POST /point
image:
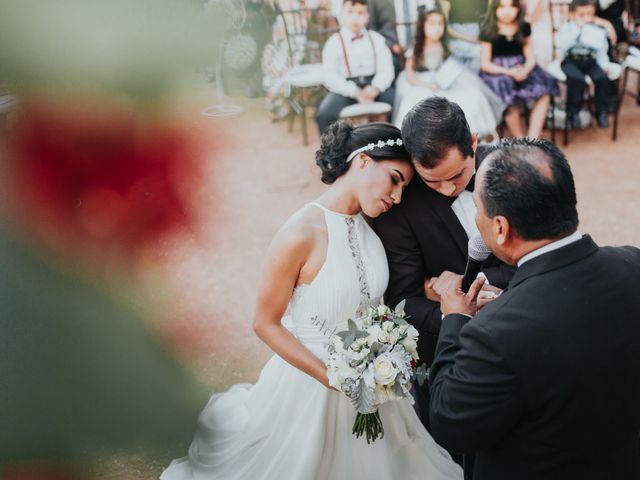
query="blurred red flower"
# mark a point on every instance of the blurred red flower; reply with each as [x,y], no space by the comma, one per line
[99,178]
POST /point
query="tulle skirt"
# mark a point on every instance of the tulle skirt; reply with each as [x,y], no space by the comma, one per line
[289,426]
[538,84]
[482,108]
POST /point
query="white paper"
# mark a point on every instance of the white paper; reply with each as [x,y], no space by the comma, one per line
[448,72]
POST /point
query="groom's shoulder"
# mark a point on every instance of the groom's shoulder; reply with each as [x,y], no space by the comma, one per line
[417,192]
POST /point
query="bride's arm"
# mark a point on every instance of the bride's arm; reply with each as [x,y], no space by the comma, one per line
[285,258]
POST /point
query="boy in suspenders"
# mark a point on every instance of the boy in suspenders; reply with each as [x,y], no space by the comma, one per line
[358,65]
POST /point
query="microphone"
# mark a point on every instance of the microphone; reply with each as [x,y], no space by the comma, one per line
[478,253]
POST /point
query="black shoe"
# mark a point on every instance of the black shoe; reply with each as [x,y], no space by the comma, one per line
[602,119]
[574,121]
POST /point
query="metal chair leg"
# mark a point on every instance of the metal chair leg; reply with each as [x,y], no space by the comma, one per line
[565,140]
[552,105]
[303,126]
[622,86]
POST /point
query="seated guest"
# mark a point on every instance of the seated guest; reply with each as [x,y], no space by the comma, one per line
[382,19]
[539,17]
[614,12]
[581,58]
[464,30]
[509,66]
[426,77]
[358,65]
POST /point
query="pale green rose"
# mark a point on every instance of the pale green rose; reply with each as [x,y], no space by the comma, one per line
[387,326]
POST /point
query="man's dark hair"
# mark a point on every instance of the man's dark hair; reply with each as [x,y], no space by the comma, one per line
[529,182]
[432,128]
[582,3]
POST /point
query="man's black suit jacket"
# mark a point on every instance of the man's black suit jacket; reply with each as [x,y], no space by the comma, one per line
[422,238]
[544,383]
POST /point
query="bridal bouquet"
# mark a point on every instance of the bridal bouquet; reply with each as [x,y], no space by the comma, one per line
[374,362]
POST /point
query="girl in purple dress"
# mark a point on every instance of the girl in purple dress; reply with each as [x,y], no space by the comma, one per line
[508,66]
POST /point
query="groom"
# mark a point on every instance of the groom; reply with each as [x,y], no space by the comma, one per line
[427,233]
[544,382]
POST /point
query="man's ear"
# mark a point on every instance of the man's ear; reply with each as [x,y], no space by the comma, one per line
[501,230]
[474,141]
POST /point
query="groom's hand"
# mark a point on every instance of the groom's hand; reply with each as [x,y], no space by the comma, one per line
[454,300]
[439,284]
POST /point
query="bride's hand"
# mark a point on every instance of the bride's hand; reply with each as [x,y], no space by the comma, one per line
[325,381]
[429,292]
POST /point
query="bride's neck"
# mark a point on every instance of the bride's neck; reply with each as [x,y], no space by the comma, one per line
[341,198]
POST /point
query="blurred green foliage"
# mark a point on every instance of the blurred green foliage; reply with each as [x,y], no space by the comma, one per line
[135,46]
[79,373]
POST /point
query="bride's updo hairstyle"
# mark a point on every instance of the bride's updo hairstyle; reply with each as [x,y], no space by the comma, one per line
[342,139]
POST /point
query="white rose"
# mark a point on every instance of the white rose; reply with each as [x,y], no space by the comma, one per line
[358,357]
[361,342]
[345,371]
[410,344]
[374,332]
[383,336]
[412,332]
[384,372]
[383,310]
[387,326]
[394,336]
[382,395]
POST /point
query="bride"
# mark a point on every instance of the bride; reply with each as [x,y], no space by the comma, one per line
[324,266]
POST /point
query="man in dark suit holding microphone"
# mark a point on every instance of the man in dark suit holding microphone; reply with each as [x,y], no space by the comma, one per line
[544,382]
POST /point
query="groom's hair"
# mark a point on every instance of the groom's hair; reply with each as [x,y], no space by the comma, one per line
[432,128]
[529,182]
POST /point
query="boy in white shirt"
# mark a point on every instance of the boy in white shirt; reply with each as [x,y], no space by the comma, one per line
[585,53]
[358,65]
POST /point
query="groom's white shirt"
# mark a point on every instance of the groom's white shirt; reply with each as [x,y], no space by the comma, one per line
[465,210]
[549,247]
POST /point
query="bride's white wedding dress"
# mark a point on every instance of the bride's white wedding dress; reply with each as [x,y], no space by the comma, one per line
[288,425]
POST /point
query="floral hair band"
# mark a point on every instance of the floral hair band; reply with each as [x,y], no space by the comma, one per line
[371,146]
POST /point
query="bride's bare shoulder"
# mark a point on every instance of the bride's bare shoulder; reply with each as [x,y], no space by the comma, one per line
[302,230]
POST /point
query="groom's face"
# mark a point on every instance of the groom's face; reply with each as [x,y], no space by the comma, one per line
[451,176]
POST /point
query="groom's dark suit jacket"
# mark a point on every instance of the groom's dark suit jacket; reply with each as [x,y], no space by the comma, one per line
[422,238]
[544,383]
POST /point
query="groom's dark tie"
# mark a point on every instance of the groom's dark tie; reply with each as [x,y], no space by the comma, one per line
[471,184]
[468,188]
